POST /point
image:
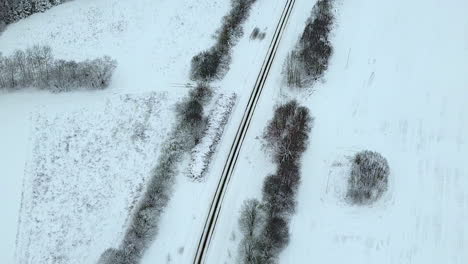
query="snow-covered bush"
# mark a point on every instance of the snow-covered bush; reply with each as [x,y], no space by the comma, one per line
[309,60]
[36,67]
[216,121]
[257,34]
[368,179]
[213,63]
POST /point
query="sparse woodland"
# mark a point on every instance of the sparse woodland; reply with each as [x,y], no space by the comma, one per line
[265,224]
[37,67]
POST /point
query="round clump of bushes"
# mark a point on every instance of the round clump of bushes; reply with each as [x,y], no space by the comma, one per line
[368,178]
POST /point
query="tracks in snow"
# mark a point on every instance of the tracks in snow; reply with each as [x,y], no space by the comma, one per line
[215,208]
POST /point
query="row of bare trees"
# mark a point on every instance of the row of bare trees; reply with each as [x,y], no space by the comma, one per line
[265,224]
[309,60]
[213,63]
[37,67]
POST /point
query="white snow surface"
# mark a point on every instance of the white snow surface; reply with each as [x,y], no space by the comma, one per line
[396,84]
[153,42]
[87,170]
[218,117]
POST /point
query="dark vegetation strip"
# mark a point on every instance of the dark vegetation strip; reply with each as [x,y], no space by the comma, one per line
[309,60]
[14,10]
[368,179]
[213,63]
[143,226]
[265,224]
[37,67]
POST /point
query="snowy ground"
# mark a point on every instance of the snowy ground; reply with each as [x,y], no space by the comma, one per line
[153,42]
[87,170]
[397,84]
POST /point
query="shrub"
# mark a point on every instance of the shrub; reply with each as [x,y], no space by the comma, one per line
[368,178]
[36,67]
[208,65]
[213,63]
[256,34]
[287,133]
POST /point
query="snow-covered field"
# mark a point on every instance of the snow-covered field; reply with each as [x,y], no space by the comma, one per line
[396,84]
[88,168]
[153,42]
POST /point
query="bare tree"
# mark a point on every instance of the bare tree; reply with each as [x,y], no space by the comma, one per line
[286,136]
[287,133]
[368,178]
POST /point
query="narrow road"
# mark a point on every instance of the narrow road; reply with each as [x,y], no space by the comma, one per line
[216,204]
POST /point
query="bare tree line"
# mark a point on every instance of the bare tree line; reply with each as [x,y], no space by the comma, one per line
[143,226]
[309,60]
[265,224]
[36,67]
[213,63]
